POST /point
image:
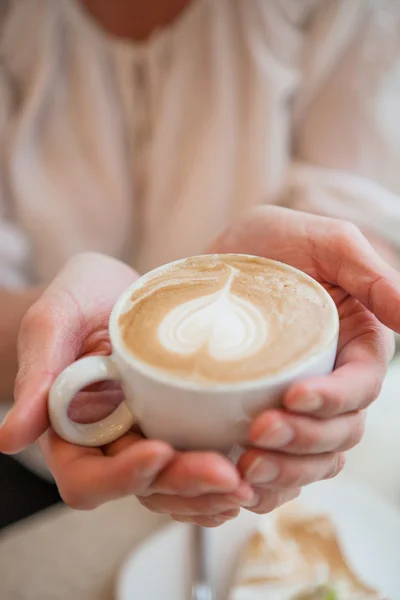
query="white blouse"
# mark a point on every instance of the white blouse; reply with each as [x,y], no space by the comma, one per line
[145,151]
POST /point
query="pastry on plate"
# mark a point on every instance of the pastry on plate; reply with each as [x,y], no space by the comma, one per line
[296,555]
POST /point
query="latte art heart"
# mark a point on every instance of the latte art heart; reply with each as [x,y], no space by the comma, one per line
[226,318]
[229,327]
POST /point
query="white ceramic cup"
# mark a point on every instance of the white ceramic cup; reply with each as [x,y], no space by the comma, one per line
[185,414]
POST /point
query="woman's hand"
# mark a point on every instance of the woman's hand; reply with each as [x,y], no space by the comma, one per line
[322,416]
[70,321]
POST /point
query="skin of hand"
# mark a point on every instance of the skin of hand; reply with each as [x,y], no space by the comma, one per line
[13,306]
[323,416]
[301,443]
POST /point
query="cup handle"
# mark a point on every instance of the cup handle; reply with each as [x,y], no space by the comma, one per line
[73,379]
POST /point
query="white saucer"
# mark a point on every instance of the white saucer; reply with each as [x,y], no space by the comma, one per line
[370,530]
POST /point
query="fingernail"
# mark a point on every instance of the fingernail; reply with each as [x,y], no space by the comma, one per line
[152,469]
[243,492]
[307,403]
[245,496]
[218,520]
[262,470]
[255,501]
[279,434]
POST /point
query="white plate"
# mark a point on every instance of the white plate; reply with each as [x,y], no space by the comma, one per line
[375,462]
[369,528]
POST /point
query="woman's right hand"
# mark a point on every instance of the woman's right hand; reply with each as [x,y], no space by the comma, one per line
[70,321]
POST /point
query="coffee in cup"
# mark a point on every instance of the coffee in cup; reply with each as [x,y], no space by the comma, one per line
[227,319]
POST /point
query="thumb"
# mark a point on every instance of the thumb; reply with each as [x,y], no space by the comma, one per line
[44,350]
[54,333]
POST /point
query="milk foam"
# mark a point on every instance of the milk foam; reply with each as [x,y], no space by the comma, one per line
[227,318]
[230,327]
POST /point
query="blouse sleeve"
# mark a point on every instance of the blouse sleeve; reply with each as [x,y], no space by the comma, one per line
[13,244]
[346,147]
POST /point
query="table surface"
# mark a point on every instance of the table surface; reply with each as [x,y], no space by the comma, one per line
[70,555]
[64,554]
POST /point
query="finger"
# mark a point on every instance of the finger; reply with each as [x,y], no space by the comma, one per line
[208,504]
[298,434]
[203,521]
[87,478]
[271,500]
[356,381]
[195,473]
[70,316]
[346,259]
[276,471]
[89,407]
[122,443]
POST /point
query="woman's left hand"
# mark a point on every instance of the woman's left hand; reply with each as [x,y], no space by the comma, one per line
[322,417]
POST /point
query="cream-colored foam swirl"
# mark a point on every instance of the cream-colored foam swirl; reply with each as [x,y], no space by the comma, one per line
[226,319]
[230,327]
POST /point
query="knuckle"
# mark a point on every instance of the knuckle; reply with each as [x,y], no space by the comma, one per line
[310,441]
[340,403]
[346,232]
[356,433]
[36,318]
[373,391]
[382,344]
[29,319]
[336,466]
[292,475]
[335,404]
[370,392]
